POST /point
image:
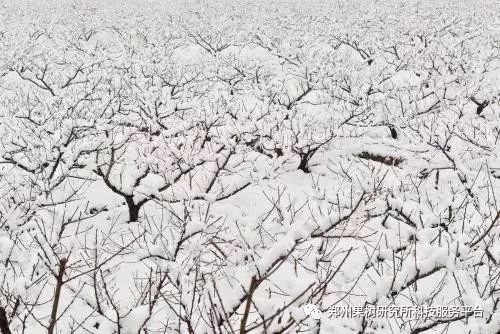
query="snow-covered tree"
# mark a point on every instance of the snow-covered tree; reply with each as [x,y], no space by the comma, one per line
[222,167]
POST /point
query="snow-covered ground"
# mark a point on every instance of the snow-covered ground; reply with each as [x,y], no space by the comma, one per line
[216,166]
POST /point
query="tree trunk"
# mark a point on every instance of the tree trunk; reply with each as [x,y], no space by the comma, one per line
[4,323]
[304,162]
[133,209]
[57,295]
